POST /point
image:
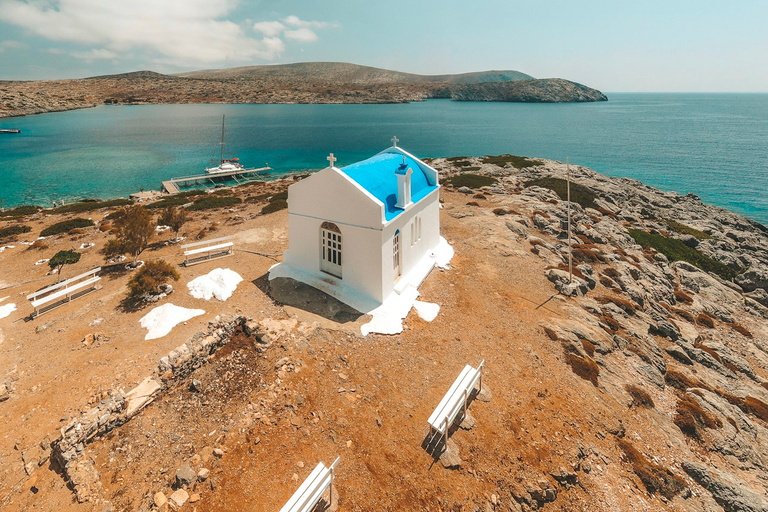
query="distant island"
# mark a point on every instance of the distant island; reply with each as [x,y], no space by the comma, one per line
[309,82]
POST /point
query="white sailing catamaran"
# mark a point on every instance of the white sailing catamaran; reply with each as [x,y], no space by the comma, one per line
[225,164]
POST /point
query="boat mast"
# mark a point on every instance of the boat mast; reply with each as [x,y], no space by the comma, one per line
[223,117]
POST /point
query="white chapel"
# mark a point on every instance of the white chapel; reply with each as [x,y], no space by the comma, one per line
[363,232]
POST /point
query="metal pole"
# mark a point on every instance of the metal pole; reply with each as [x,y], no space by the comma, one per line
[570,259]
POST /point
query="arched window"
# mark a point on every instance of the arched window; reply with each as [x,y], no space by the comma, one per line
[330,249]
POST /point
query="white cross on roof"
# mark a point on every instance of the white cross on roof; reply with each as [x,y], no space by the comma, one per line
[395,140]
[332,159]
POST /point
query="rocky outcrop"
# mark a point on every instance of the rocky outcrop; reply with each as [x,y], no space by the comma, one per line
[548,90]
[730,494]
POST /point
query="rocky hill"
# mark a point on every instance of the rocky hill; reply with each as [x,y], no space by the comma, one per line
[316,82]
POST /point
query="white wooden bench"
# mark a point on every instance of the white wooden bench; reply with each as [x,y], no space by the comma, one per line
[63,292]
[207,250]
[313,488]
[456,399]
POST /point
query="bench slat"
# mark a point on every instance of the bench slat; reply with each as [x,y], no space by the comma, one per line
[454,400]
[211,241]
[438,412]
[208,249]
[308,490]
[33,295]
[64,292]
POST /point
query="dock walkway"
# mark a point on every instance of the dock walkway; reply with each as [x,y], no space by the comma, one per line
[172,186]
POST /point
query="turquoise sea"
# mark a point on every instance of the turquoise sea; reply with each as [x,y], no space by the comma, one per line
[715,145]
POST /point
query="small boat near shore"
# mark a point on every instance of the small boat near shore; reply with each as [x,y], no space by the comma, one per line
[10,130]
[226,165]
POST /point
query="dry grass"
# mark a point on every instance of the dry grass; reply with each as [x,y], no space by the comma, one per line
[683,297]
[607,282]
[656,479]
[640,397]
[683,314]
[40,245]
[584,367]
[606,212]
[589,347]
[552,334]
[705,320]
[612,324]
[624,304]
[611,272]
[691,418]
[472,203]
[740,329]
[682,382]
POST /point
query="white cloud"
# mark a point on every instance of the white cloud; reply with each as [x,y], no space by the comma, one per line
[95,54]
[10,44]
[303,35]
[269,28]
[292,28]
[177,32]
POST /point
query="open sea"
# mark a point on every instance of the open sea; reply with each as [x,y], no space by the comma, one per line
[715,145]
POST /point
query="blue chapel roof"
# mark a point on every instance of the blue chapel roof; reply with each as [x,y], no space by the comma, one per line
[377,176]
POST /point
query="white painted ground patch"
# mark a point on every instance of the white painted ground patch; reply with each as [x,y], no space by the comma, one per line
[7,309]
[162,319]
[219,283]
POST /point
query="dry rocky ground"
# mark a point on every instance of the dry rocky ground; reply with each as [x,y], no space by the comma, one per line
[640,388]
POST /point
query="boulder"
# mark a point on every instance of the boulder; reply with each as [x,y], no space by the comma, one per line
[753,279]
[727,491]
[178,499]
[185,476]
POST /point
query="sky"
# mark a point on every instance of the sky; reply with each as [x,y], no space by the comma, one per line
[648,46]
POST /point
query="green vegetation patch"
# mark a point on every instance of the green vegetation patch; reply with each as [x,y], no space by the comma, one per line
[13,231]
[20,211]
[580,194]
[67,225]
[519,162]
[277,202]
[467,179]
[676,250]
[686,230]
[212,201]
[89,206]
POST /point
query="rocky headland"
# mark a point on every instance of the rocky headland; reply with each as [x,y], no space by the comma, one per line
[641,384]
[293,83]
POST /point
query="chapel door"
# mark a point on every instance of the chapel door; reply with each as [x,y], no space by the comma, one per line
[396,257]
[330,249]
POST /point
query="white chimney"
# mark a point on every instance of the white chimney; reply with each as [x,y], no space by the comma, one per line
[403,186]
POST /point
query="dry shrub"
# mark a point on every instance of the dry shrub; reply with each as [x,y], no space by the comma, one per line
[612,324]
[536,242]
[606,281]
[501,211]
[76,231]
[586,255]
[756,407]
[552,334]
[479,195]
[606,211]
[585,239]
[543,214]
[683,297]
[535,250]
[690,417]
[624,304]
[611,272]
[683,382]
[709,351]
[106,226]
[472,203]
[39,245]
[665,306]
[705,320]
[584,367]
[764,384]
[589,347]
[656,479]
[201,234]
[640,397]
[684,314]
[740,329]
[151,276]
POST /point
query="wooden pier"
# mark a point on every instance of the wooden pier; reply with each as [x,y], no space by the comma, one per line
[172,186]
